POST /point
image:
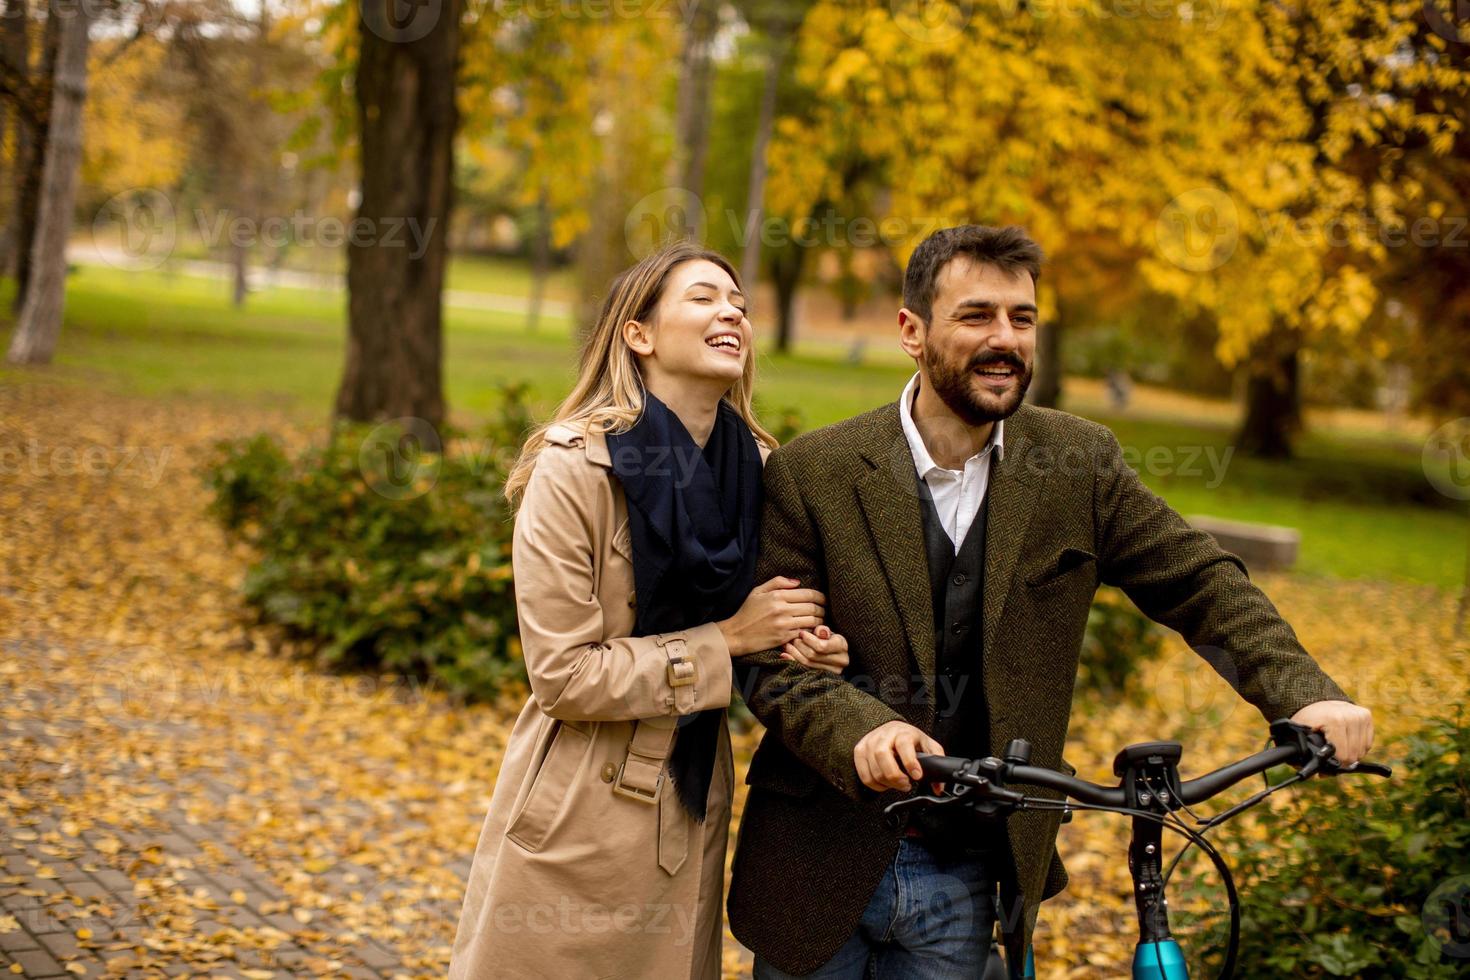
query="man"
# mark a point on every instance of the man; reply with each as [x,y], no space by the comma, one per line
[959,536]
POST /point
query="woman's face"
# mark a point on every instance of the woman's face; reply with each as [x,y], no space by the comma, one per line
[699,332]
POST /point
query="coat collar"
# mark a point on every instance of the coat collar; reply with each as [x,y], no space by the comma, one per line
[593,440]
[889,497]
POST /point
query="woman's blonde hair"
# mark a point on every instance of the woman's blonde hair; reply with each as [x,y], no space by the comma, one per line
[609,389]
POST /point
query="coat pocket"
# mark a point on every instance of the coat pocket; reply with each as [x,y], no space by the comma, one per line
[781,773]
[1067,561]
[550,789]
[622,541]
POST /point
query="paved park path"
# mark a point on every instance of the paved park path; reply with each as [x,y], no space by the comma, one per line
[155,889]
[184,792]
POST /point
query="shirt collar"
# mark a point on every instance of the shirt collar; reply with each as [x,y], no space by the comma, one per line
[923,462]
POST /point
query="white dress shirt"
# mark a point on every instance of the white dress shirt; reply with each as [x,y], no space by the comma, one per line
[957,493]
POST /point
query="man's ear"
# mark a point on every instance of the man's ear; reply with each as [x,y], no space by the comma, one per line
[911,332]
[638,337]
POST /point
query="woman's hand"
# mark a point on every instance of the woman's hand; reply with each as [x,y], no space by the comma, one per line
[823,649]
[772,615]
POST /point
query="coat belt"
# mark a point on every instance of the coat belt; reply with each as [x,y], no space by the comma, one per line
[641,777]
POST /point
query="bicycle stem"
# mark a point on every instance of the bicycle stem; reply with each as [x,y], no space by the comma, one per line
[1145,863]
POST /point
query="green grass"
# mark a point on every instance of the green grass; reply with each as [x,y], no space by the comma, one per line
[1363,506]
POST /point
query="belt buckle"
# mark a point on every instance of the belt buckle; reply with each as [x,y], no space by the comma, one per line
[681,672]
[633,792]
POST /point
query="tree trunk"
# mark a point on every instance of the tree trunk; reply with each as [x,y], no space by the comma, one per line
[395,272]
[248,181]
[39,325]
[786,266]
[1463,614]
[1046,383]
[692,111]
[1272,398]
[15,47]
[31,159]
[755,193]
[601,251]
[540,260]
[239,261]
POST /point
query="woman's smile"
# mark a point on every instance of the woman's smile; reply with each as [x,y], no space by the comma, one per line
[727,342]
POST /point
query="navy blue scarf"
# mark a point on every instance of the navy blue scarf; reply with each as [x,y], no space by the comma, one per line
[693,516]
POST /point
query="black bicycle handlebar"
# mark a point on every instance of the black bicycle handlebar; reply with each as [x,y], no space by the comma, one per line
[1213,784]
[1296,745]
[1149,789]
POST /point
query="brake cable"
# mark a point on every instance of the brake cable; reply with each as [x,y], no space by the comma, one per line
[1194,837]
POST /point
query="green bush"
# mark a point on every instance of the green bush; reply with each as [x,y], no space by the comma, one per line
[1119,640]
[385,549]
[244,478]
[1361,876]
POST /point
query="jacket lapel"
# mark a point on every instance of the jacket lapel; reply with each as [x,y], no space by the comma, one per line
[889,497]
[1012,493]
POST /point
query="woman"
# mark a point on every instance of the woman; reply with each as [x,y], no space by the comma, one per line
[603,852]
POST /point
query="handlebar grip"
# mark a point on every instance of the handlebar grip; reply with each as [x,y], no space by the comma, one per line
[943,768]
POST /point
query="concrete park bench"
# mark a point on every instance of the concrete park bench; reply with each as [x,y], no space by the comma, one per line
[1263,547]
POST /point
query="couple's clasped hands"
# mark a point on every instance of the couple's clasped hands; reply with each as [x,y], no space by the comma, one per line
[779,613]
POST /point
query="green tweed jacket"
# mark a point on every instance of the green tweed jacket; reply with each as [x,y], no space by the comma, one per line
[842,514]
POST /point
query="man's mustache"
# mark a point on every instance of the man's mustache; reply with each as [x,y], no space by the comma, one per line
[1007,360]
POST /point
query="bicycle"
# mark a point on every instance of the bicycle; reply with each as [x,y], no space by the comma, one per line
[1150,791]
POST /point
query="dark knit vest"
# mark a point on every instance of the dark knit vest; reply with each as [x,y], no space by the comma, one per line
[961,720]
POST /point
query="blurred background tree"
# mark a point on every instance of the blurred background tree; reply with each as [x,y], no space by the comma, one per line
[1241,176]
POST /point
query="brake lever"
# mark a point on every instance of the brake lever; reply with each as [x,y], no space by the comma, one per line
[920,802]
[895,812]
[1359,768]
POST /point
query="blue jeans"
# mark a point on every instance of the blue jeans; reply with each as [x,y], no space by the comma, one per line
[928,920]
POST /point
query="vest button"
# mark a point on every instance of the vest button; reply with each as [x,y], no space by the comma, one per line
[960,578]
[609,772]
[957,629]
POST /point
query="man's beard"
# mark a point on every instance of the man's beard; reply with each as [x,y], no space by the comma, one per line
[956,386]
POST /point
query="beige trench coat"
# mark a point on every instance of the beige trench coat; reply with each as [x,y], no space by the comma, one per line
[587,866]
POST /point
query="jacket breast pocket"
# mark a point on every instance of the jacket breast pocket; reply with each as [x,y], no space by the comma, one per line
[550,788]
[1068,565]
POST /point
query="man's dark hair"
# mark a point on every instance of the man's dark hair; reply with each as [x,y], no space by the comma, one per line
[1007,248]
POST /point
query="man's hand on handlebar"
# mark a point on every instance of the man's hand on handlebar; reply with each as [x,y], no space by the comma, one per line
[1347,727]
[888,756]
